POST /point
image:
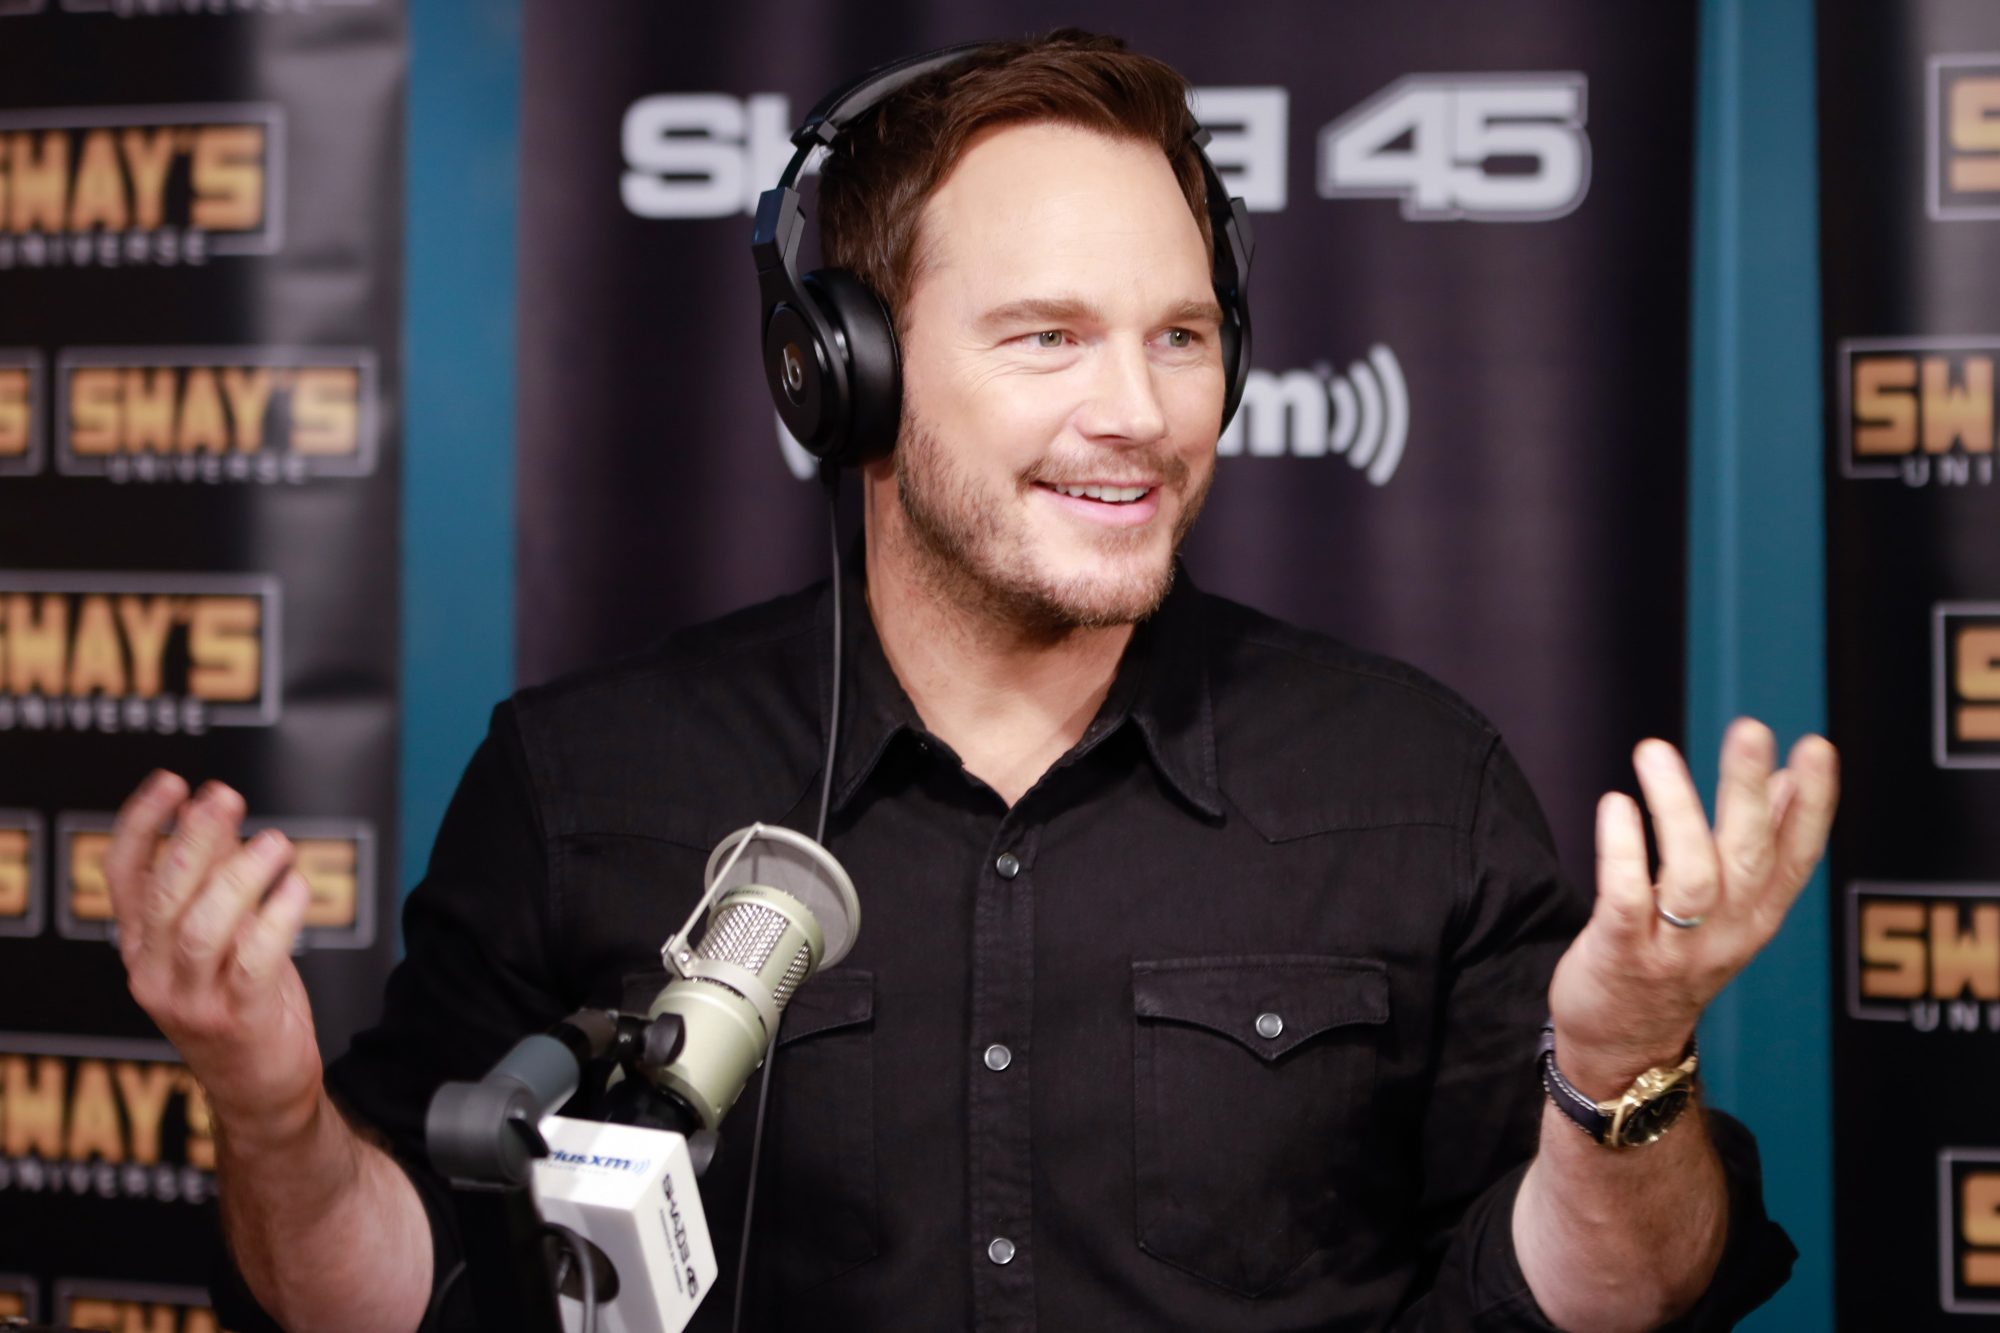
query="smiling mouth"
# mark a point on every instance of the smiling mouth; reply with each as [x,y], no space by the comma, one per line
[1117,495]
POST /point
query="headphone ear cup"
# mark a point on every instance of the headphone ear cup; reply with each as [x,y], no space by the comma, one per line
[1235,335]
[874,364]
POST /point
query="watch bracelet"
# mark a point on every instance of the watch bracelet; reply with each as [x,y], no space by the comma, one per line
[1576,1106]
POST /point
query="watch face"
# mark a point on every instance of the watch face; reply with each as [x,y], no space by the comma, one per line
[1645,1123]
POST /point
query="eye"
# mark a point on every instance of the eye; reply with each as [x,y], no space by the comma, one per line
[1179,339]
[1049,338]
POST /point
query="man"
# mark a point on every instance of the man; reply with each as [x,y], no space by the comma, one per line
[1204,958]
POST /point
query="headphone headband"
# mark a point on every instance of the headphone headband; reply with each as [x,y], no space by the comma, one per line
[830,353]
[839,108]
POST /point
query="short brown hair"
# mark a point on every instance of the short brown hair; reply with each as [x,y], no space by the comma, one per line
[881,172]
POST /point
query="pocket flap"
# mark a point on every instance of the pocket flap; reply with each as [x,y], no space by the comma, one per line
[843,997]
[638,990]
[1291,997]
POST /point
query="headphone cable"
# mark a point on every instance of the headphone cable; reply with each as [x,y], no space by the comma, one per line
[829,476]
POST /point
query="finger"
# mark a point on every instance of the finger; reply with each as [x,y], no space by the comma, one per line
[1784,787]
[204,833]
[1801,837]
[1624,886]
[135,838]
[1689,880]
[1743,828]
[231,892]
[264,941]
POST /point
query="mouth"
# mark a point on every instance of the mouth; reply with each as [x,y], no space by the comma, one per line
[1104,504]
[1111,495]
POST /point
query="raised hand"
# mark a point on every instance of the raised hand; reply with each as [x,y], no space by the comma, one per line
[1628,992]
[205,927]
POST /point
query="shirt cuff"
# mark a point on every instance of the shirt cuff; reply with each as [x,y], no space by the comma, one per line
[1480,1285]
[1759,1255]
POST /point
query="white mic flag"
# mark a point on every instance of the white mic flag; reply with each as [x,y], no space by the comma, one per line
[631,1193]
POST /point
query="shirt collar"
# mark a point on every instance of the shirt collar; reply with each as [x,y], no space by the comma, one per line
[1161,687]
[874,707]
[1167,662]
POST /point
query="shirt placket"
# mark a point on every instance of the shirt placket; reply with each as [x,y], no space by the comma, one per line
[1001,1191]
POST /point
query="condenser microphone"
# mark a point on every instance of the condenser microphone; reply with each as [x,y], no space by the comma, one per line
[780,908]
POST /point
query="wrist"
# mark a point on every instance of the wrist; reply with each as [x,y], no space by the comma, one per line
[1636,1115]
[270,1131]
[1603,1063]
[1602,1071]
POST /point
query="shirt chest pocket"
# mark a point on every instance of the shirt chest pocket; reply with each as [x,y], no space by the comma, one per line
[1252,1077]
[818,1194]
[822,1147]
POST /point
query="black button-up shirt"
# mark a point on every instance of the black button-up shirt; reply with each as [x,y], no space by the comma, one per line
[1229,1023]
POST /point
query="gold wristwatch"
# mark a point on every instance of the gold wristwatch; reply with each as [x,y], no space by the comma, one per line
[1640,1115]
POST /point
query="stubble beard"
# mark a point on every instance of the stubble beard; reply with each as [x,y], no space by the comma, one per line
[966,553]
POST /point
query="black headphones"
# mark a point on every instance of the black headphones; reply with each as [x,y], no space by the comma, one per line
[829,344]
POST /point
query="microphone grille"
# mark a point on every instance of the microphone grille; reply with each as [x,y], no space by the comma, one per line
[801,965]
[747,934]
[743,934]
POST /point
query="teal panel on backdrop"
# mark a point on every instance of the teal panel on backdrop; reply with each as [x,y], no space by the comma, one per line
[458,503]
[1756,623]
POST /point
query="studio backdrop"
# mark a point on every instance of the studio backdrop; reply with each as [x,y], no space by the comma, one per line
[1463,437]
[1910,264]
[200,295]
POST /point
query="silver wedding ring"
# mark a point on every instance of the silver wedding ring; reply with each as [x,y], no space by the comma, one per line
[1684,922]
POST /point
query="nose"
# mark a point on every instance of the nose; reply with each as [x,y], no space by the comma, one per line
[1124,403]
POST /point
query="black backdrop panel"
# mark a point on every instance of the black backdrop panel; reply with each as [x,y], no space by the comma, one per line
[1525,539]
[1910,247]
[200,301]
[1500,500]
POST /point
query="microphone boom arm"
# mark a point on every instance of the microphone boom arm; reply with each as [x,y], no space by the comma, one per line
[483,1137]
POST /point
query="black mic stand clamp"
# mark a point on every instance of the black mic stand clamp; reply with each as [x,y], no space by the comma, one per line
[483,1137]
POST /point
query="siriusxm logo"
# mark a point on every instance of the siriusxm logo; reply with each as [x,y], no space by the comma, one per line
[1362,415]
[599,1162]
[677,1234]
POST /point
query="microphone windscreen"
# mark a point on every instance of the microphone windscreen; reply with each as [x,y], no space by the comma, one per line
[793,863]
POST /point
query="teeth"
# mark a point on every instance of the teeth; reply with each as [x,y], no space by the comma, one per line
[1118,495]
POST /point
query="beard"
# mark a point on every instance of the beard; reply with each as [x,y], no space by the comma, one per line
[974,548]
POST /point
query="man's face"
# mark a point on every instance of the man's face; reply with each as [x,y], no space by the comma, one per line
[1062,378]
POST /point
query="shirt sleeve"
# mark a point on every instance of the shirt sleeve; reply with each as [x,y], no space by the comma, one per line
[477,975]
[1484,1116]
